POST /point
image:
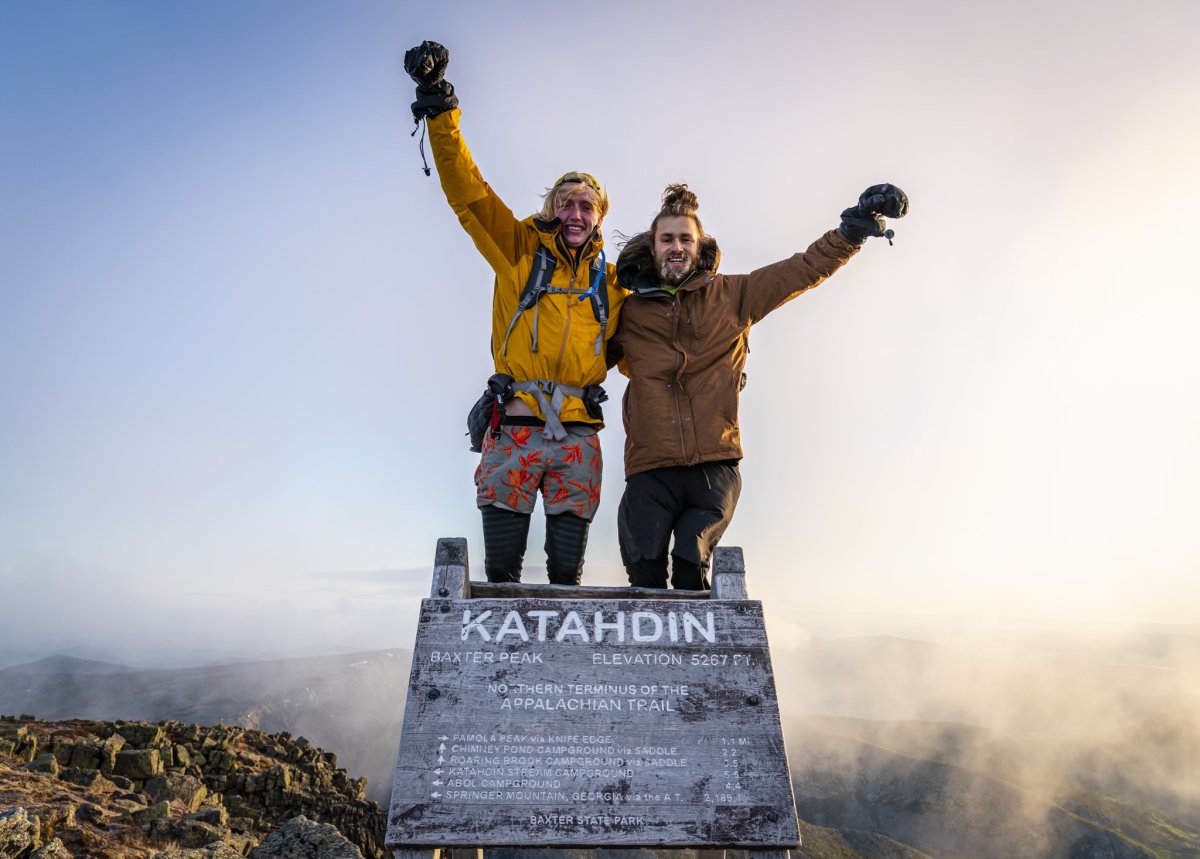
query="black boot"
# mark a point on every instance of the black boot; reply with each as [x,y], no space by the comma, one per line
[566,540]
[504,536]
[647,573]
[687,575]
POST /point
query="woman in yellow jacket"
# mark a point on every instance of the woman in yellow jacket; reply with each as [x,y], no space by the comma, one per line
[554,305]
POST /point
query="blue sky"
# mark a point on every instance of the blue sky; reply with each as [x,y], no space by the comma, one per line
[240,329]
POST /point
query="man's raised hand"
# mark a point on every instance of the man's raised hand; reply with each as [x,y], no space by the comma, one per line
[866,219]
[886,200]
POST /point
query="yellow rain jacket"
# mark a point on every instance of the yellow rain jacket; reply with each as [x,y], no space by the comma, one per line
[566,328]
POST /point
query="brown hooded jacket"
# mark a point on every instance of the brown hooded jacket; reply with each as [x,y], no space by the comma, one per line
[685,353]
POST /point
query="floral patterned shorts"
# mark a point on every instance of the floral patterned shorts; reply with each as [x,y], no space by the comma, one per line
[519,464]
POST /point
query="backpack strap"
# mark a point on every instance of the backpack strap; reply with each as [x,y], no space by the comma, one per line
[599,296]
[535,285]
[538,284]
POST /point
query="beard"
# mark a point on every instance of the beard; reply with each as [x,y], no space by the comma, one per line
[673,275]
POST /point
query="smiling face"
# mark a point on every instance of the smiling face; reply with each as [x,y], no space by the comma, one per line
[676,248]
[579,216]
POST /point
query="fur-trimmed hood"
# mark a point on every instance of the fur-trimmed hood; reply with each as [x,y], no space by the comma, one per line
[635,264]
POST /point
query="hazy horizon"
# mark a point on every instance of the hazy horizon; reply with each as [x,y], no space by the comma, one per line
[210,631]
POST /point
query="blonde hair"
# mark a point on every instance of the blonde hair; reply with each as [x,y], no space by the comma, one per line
[571,185]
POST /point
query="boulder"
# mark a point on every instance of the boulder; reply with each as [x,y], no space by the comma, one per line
[53,850]
[217,850]
[217,816]
[27,748]
[89,812]
[62,750]
[277,779]
[127,805]
[18,832]
[157,811]
[19,742]
[188,791]
[301,838]
[44,763]
[138,764]
[56,818]
[196,833]
[92,779]
[220,761]
[85,754]
[141,735]
[108,752]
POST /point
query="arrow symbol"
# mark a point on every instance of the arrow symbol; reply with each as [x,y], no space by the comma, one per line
[436,795]
[437,781]
[442,747]
[438,770]
[441,760]
[443,739]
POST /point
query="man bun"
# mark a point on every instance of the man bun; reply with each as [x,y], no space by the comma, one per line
[678,200]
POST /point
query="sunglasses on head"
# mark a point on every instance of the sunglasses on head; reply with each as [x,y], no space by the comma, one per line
[578,179]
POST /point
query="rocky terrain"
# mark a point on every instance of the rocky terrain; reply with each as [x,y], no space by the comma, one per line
[168,790]
[135,790]
[351,704]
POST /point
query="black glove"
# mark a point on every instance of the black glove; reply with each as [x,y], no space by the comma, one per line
[426,65]
[865,220]
[886,200]
[593,396]
[858,226]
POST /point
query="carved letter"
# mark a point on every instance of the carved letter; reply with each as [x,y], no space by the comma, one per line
[476,624]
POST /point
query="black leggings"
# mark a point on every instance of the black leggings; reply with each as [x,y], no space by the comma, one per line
[505,533]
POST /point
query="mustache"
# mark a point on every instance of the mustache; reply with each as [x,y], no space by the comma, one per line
[676,276]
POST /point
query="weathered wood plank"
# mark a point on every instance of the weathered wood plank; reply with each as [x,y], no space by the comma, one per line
[442,853]
[729,574]
[592,723]
[531,590]
[451,573]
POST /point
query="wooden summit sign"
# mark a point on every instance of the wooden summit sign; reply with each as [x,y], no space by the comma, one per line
[592,720]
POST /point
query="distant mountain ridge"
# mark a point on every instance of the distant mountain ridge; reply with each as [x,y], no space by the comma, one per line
[59,664]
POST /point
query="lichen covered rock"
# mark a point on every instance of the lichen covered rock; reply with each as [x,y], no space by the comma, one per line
[301,838]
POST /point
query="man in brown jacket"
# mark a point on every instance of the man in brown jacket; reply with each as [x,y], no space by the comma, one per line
[682,342]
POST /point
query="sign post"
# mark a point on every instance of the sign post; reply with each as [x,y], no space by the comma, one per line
[642,719]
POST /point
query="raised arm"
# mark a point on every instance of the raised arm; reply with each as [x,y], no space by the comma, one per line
[497,233]
[767,288]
